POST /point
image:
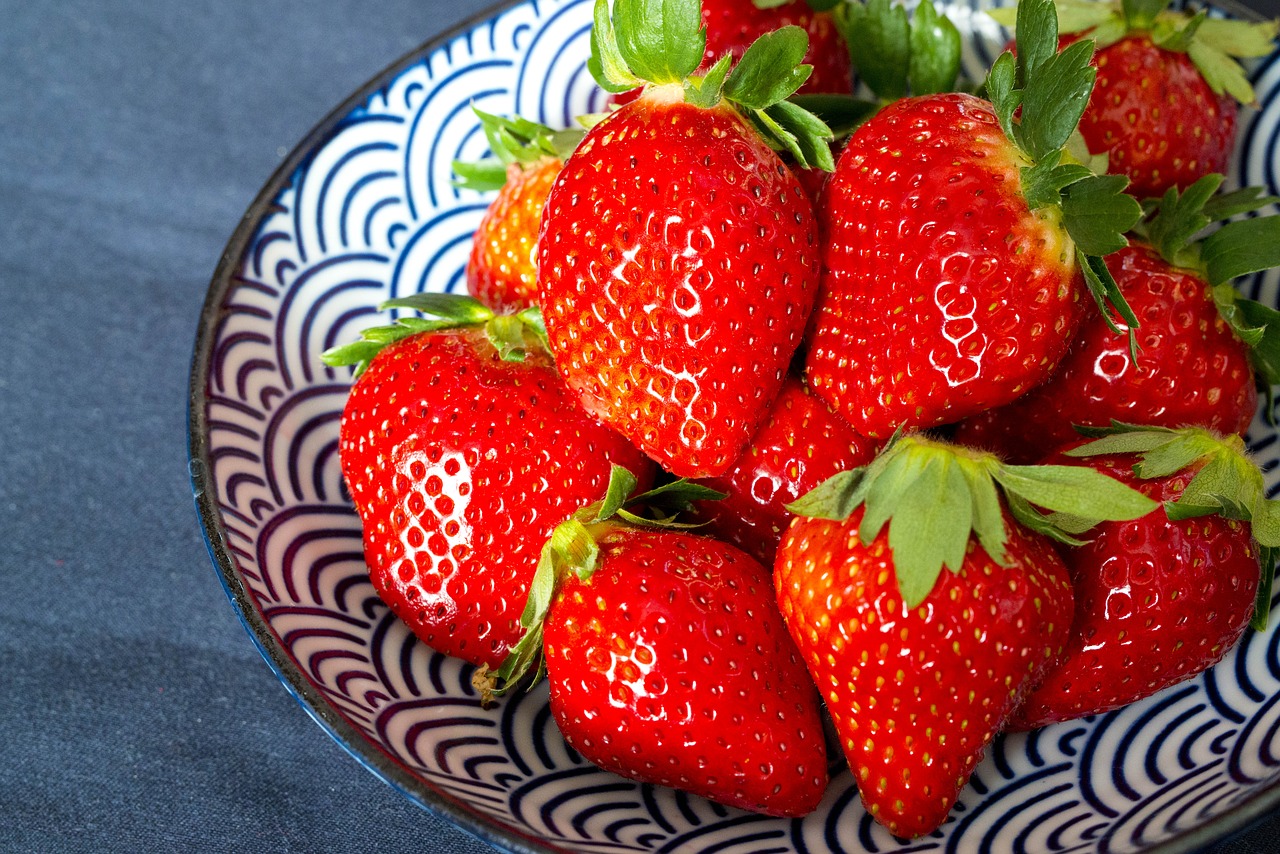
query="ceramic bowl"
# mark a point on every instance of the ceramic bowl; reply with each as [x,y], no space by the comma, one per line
[364,210]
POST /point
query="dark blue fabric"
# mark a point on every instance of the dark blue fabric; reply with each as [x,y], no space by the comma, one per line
[135,713]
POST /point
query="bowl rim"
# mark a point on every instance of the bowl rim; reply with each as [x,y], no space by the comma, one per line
[490,830]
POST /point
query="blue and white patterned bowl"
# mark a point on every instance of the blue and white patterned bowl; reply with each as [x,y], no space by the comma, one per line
[364,211]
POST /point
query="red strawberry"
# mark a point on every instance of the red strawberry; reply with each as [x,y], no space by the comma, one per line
[677,262]
[958,247]
[1164,107]
[668,663]
[801,444]
[733,25]
[921,668]
[527,158]
[1194,367]
[1161,598]
[460,465]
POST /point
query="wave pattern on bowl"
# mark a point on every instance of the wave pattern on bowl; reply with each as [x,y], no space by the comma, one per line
[370,213]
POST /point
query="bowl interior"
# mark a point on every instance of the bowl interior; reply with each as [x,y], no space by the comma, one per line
[364,210]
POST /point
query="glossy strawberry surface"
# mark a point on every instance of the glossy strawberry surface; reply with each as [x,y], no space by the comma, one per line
[677,266]
[1157,602]
[500,271]
[1191,369]
[1156,118]
[800,445]
[460,465]
[671,665]
[917,695]
[942,294]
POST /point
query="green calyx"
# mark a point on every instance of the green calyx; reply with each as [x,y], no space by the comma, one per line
[1175,227]
[574,547]
[1039,97]
[1215,45]
[935,497]
[1226,483]
[512,140]
[896,54]
[662,42]
[513,335]
[815,5]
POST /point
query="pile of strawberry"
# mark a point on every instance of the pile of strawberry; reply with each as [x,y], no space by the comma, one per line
[938,440]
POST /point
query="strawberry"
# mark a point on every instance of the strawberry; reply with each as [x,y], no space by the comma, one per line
[1161,598]
[960,238]
[733,25]
[677,261]
[921,668]
[668,662]
[527,157]
[1201,341]
[800,445]
[460,463]
[1164,109]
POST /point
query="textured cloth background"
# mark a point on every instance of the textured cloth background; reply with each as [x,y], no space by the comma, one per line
[135,713]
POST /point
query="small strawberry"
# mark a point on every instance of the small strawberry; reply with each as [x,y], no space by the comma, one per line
[527,157]
[1164,108]
[960,238]
[460,463]
[733,25]
[800,445]
[668,661]
[1201,341]
[921,668]
[1161,598]
[677,262]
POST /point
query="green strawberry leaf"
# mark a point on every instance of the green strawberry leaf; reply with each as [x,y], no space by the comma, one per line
[930,530]
[1242,201]
[1033,520]
[1097,212]
[707,91]
[621,484]
[1244,39]
[879,38]
[1043,183]
[1106,293]
[1221,71]
[1002,89]
[894,53]
[1262,603]
[935,51]
[482,175]
[1179,217]
[678,495]
[1037,37]
[835,498]
[770,70]
[1241,247]
[805,135]
[462,310]
[1141,14]
[606,64]
[1054,96]
[1074,490]
[893,481]
[444,311]
[842,114]
[1264,352]
[661,41]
